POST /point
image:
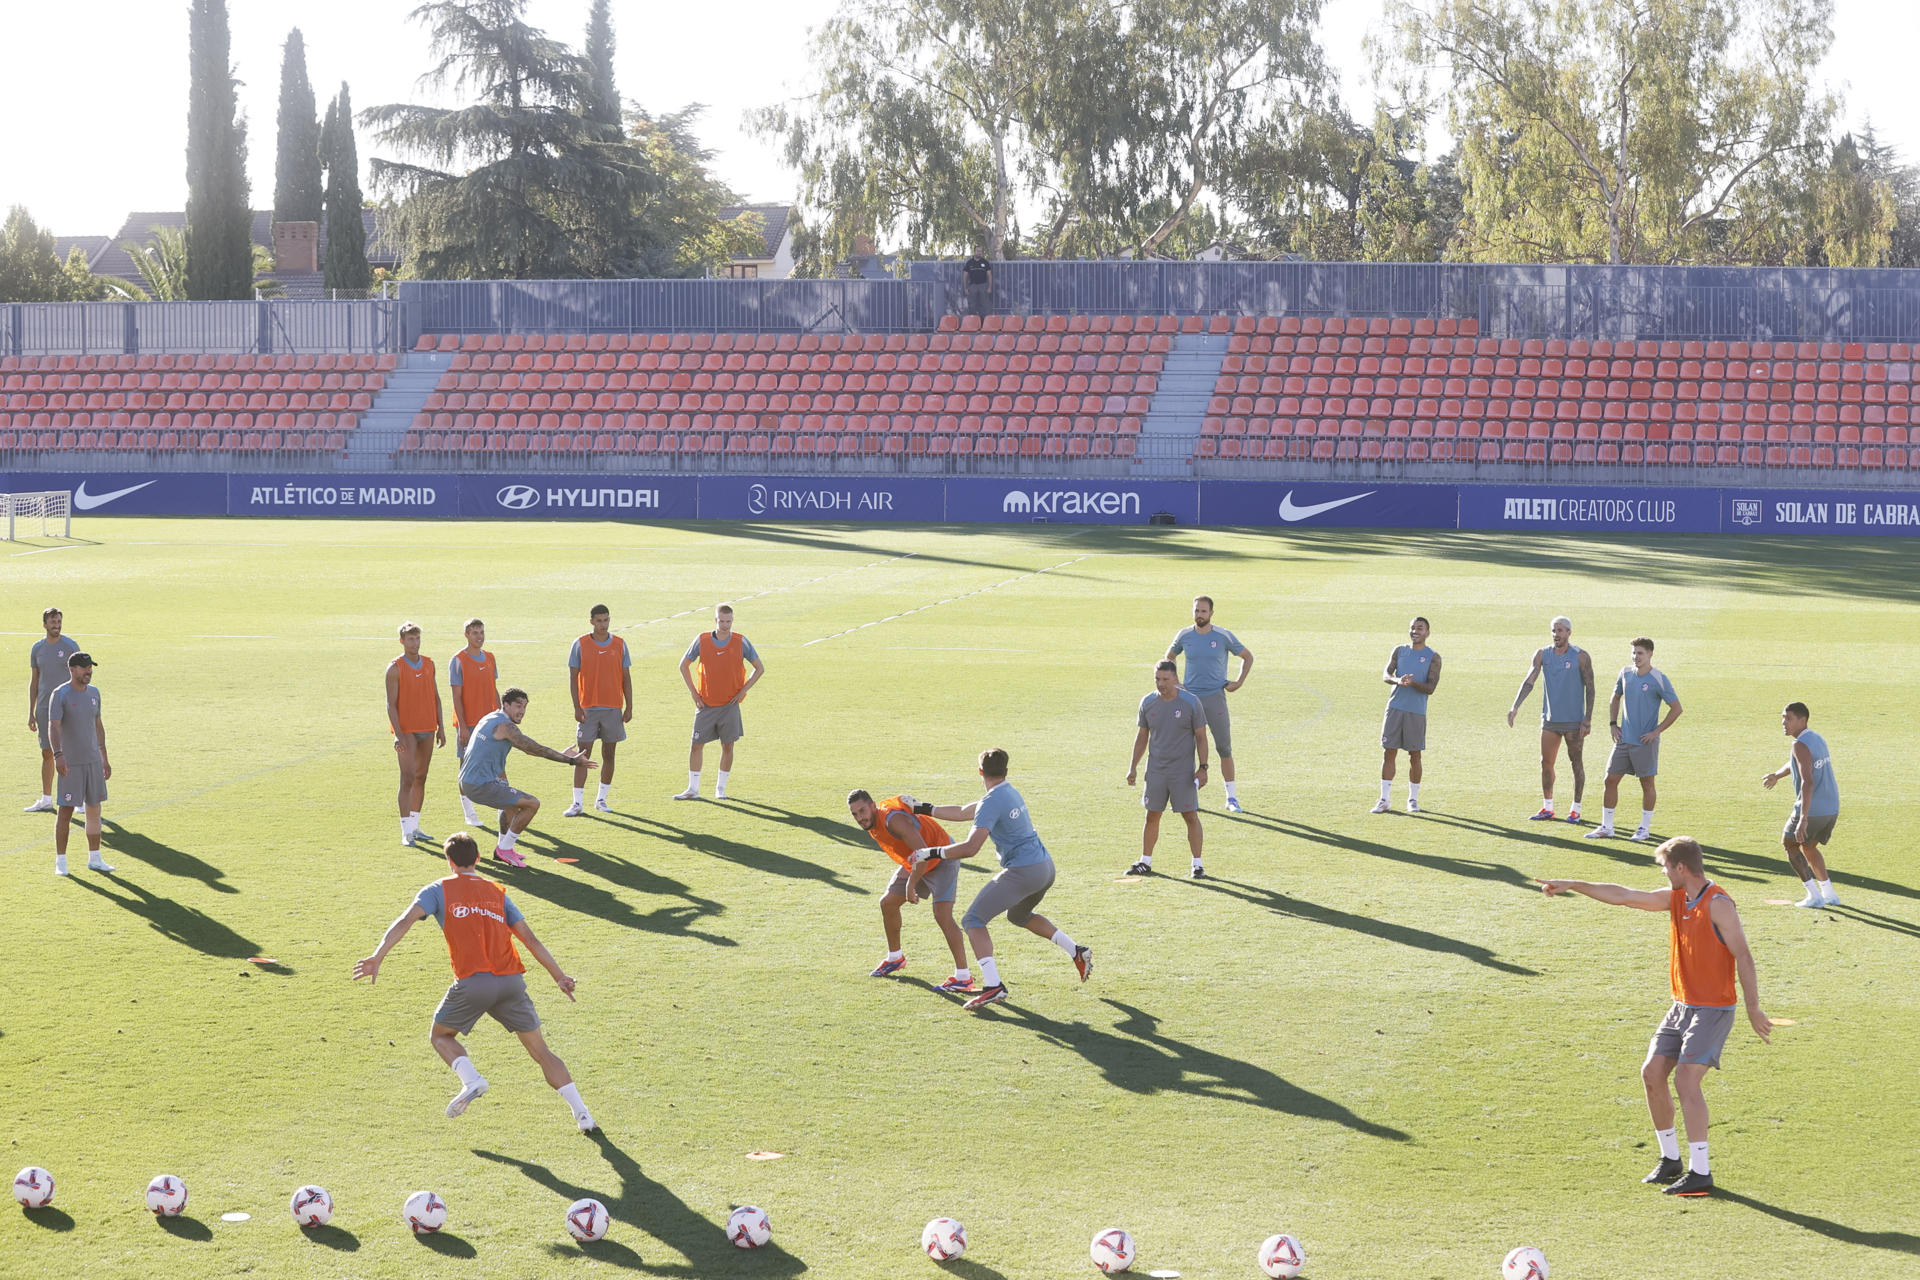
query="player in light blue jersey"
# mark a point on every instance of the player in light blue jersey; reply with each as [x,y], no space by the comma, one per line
[1816,805]
[1413,670]
[1207,648]
[1026,872]
[1639,692]
[1566,712]
[483,771]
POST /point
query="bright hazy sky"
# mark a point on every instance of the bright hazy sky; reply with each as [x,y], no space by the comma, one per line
[93,101]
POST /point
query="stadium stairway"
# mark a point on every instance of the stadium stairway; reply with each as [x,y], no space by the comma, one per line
[406,391]
[1170,430]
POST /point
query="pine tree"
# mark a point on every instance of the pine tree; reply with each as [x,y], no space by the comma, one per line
[346,266]
[296,186]
[219,214]
[602,106]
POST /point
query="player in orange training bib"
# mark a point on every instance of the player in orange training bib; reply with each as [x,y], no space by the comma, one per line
[414,715]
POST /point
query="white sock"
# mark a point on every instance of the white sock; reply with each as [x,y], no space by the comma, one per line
[1546,802]
[1147,858]
[1826,889]
[896,955]
[507,838]
[60,862]
[605,787]
[1813,888]
[1062,941]
[1196,864]
[472,814]
[414,818]
[1413,791]
[406,828]
[570,1093]
[989,972]
[1606,819]
[1386,790]
[720,779]
[1646,819]
[1697,1157]
[963,973]
[693,781]
[1231,793]
[1669,1140]
[579,795]
[468,1073]
[47,799]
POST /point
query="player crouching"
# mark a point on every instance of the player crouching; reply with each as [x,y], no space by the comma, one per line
[483,771]
[898,831]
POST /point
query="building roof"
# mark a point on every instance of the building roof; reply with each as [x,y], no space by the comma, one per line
[113,260]
[773,219]
[91,247]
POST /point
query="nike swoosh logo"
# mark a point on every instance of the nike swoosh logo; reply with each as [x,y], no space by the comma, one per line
[88,501]
[1290,512]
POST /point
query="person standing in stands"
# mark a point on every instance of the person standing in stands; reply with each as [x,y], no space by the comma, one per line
[977,273]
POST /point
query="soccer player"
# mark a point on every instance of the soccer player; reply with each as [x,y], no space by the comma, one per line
[1706,949]
[47,661]
[722,659]
[483,772]
[1207,647]
[79,748]
[1026,872]
[1816,806]
[1414,672]
[1173,723]
[419,725]
[1641,690]
[473,676]
[899,831]
[1563,716]
[600,676]
[480,923]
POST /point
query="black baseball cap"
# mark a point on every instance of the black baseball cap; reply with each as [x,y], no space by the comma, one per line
[80,660]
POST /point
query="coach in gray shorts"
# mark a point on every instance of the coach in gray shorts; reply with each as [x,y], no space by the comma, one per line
[1403,730]
[1172,734]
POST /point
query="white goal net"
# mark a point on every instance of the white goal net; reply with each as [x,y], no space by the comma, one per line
[37,515]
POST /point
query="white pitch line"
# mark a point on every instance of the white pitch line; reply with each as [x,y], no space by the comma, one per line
[43,550]
[964,595]
[687,613]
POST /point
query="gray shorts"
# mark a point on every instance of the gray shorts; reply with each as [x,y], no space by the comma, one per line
[504,995]
[1172,788]
[942,884]
[494,794]
[718,724]
[1404,730]
[1219,723]
[602,724]
[1819,830]
[40,718]
[83,784]
[1014,890]
[1565,728]
[1692,1034]
[1642,760]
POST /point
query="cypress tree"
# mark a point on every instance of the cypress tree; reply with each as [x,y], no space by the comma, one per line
[296,173]
[219,214]
[602,105]
[346,265]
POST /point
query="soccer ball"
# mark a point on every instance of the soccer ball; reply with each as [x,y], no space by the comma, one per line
[1112,1250]
[1525,1263]
[587,1220]
[1282,1257]
[944,1239]
[312,1206]
[424,1212]
[167,1195]
[33,1187]
[748,1227]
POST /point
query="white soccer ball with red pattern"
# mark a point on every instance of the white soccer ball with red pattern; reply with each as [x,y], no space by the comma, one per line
[1112,1250]
[748,1227]
[944,1239]
[167,1195]
[1282,1257]
[587,1220]
[311,1206]
[1524,1263]
[33,1187]
[424,1212]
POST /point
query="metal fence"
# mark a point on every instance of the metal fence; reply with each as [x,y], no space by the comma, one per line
[278,327]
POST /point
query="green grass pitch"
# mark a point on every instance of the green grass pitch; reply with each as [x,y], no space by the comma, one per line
[1372,1032]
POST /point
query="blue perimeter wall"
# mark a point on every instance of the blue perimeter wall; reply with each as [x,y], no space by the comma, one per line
[988,500]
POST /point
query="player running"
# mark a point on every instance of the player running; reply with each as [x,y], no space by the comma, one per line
[1706,949]
[1026,872]
[47,662]
[599,672]
[1174,724]
[473,677]
[1816,806]
[1207,647]
[1641,690]
[899,832]
[483,772]
[722,659]
[480,923]
[1414,672]
[79,738]
[418,724]
[1563,716]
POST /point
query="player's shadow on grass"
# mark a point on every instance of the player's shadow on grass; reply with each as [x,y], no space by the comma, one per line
[651,1207]
[1137,1057]
[186,925]
[1774,865]
[1406,935]
[163,857]
[737,851]
[970,1269]
[50,1218]
[1566,840]
[1893,1241]
[839,831]
[182,1227]
[1499,872]
[1891,924]
[792,536]
[446,1244]
[568,891]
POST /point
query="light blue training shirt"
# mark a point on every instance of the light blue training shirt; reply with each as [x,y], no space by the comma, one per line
[1003,815]
[1641,697]
[1206,654]
[486,757]
[1822,798]
[1409,661]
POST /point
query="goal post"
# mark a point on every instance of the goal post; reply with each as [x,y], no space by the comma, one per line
[47,514]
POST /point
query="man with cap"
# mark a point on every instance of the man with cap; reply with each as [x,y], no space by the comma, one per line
[79,742]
